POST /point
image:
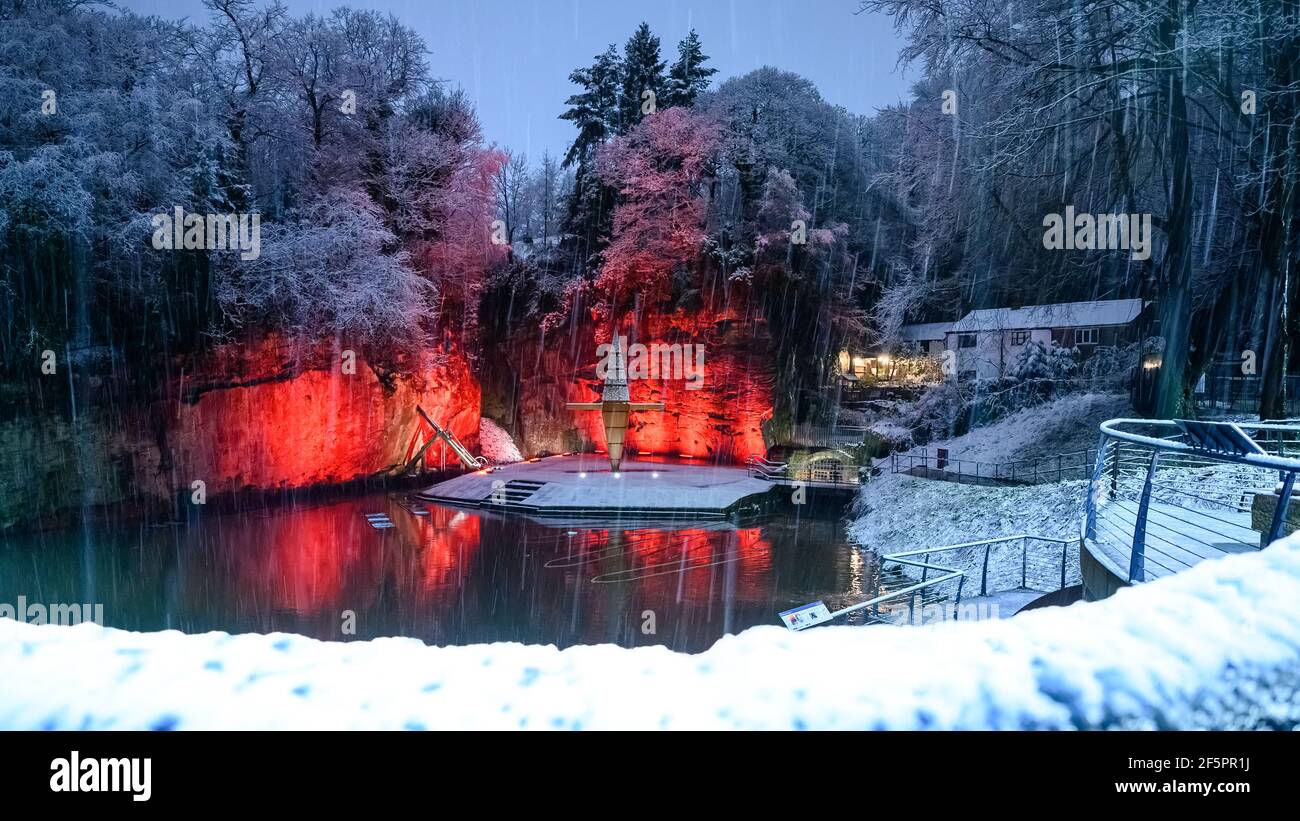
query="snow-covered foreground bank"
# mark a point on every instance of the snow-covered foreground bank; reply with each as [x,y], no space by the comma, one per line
[1217,646]
[895,512]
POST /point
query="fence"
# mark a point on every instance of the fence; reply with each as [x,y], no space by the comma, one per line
[828,435]
[968,562]
[1041,469]
[1223,394]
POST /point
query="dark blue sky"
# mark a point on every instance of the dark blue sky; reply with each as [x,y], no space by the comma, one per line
[513,57]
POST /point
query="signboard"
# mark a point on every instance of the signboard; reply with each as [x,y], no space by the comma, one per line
[806,615]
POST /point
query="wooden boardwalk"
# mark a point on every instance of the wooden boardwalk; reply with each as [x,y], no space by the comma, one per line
[1176,537]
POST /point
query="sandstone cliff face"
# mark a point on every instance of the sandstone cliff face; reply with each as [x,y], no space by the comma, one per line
[720,421]
[250,418]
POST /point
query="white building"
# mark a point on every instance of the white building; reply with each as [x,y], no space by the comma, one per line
[988,342]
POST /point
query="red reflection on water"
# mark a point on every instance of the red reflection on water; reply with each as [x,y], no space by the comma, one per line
[448,539]
[456,576]
[686,563]
[307,561]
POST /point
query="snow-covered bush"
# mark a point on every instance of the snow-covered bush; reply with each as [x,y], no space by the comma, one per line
[936,412]
[888,436]
[849,417]
[496,444]
[1039,361]
[1109,361]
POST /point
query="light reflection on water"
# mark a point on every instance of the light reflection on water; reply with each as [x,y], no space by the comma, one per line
[449,577]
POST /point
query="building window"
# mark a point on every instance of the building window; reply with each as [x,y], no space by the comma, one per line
[965,340]
[1085,336]
[1019,338]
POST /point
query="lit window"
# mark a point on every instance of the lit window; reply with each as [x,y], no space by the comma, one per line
[1085,336]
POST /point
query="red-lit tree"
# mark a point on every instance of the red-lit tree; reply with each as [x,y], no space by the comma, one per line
[657,169]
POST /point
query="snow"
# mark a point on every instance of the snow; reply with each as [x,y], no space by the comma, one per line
[1059,315]
[1065,425]
[896,512]
[924,332]
[1217,646]
[496,445]
[892,432]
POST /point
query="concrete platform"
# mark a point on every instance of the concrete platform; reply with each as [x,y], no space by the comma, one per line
[582,486]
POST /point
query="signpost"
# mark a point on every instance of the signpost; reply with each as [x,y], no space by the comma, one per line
[806,615]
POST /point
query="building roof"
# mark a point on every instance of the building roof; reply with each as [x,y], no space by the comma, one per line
[924,331]
[1060,315]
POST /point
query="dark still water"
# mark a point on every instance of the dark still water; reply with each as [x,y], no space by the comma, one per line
[450,577]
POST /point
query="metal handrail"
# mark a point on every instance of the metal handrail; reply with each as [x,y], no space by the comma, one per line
[950,573]
[1262,460]
[1177,484]
[1011,471]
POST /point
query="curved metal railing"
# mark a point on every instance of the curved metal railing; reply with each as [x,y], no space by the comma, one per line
[970,556]
[1167,494]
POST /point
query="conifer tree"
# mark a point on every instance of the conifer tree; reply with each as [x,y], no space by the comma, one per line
[688,76]
[643,71]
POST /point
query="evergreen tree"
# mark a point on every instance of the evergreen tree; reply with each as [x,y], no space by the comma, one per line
[642,71]
[595,109]
[688,76]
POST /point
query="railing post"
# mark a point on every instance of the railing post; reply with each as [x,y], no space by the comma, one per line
[1114,473]
[984,574]
[1279,512]
[1024,561]
[961,582]
[1090,503]
[1065,552]
[1137,560]
[925,571]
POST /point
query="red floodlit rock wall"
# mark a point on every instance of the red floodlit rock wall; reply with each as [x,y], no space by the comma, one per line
[320,426]
[721,421]
[253,417]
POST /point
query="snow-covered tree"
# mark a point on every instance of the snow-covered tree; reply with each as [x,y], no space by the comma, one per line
[657,170]
[688,77]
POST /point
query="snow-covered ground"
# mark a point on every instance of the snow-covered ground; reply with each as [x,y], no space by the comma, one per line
[496,445]
[1216,646]
[1065,425]
[895,512]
